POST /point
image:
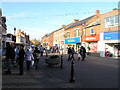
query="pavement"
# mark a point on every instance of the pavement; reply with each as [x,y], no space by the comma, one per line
[94,72]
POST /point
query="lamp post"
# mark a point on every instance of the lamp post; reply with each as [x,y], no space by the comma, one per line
[14,31]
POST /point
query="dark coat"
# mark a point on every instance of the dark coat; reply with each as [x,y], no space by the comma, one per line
[8,52]
[69,51]
[82,51]
[21,54]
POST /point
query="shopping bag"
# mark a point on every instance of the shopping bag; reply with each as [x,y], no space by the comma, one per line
[79,55]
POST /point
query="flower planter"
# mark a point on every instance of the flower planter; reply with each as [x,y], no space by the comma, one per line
[53,60]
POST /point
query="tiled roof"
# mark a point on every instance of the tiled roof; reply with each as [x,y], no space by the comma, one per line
[80,22]
[97,22]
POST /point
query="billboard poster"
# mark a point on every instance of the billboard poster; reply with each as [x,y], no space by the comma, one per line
[94,47]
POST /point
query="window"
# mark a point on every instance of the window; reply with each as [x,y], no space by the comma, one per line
[67,34]
[83,31]
[77,32]
[92,31]
[112,21]
[107,20]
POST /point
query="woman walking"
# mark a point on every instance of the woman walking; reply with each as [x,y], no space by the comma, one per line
[28,57]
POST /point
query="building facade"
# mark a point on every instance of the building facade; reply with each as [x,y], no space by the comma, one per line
[110,34]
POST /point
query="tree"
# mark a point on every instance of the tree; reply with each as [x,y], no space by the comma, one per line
[36,42]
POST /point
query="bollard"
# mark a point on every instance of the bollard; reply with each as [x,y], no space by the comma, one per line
[61,61]
[72,72]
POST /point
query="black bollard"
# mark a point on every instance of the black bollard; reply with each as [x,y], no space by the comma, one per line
[61,61]
[72,72]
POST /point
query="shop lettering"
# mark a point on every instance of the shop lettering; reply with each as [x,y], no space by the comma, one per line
[71,40]
[90,38]
[107,37]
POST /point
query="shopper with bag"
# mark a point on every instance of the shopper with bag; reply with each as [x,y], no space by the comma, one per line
[29,58]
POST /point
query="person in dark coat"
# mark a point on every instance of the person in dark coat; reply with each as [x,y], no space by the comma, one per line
[8,57]
[83,52]
[21,55]
[69,53]
[36,54]
[73,52]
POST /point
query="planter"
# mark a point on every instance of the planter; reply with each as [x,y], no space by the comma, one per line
[53,60]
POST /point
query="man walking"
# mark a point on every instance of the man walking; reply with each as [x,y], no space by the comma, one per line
[69,53]
[73,52]
[41,50]
[21,55]
[83,52]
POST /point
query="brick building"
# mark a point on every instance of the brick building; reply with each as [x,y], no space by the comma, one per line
[110,34]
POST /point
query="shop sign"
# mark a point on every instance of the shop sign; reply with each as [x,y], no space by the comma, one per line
[93,38]
[112,35]
[72,40]
[62,42]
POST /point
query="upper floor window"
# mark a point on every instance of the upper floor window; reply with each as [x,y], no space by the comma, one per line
[92,31]
[112,21]
[67,34]
[77,32]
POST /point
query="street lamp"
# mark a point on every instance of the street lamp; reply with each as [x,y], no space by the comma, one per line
[14,31]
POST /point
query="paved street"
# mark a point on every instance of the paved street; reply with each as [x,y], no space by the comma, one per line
[94,72]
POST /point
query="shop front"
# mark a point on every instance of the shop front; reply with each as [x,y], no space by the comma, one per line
[92,43]
[112,43]
[73,42]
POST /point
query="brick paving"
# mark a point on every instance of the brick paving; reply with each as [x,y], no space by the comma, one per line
[94,72]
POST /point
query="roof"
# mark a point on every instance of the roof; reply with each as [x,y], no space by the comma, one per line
[97,22]
[80,22]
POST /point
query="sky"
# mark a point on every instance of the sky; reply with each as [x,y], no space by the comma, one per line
[40,18]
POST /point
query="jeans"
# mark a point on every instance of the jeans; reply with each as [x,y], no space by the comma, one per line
[9,64]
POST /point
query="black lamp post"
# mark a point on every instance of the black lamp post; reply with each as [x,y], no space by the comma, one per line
[14,31]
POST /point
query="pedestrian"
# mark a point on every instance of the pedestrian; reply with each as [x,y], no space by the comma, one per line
[21,55]
[16,55]
[29,58]
[69,53]
[73,52]
[8,57]
[13,54]
[41,50]
[36,54]
[83,52]
[79,54]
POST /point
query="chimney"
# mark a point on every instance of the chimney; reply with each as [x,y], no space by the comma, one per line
[76,20]
[114,9]
[19,31]
[63,26]
[97,12]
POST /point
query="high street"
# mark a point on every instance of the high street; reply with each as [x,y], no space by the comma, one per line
[94,72]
